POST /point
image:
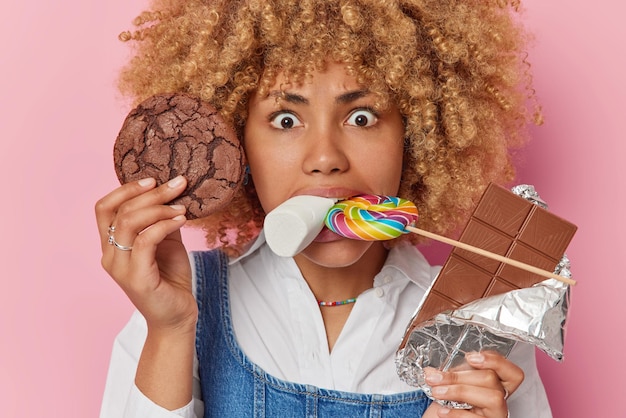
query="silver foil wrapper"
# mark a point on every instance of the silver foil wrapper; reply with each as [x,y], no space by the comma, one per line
[535,315]
[529,193]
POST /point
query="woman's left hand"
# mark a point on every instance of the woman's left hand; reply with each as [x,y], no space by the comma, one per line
[486,386]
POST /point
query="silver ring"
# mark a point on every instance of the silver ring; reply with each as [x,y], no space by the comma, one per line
[119,246]
[111,231]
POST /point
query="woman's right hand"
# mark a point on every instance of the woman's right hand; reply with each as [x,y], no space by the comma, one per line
[155,274]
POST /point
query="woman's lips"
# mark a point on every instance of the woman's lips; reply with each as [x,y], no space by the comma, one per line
[337,193]
[326,235]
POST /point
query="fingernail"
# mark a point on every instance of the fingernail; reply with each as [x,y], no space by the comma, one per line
[178,218]
[177,207]
[175,182]
[443,411]
[146,182]
[434,377]
[475,358]
[439,390]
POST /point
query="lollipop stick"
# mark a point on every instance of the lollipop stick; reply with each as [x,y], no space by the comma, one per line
[491,255]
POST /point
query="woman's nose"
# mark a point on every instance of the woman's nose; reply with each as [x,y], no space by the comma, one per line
[326,153]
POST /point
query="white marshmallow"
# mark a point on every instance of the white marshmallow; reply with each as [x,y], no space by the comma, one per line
[294,224]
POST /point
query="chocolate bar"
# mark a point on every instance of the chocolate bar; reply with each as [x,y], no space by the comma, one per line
[505,224]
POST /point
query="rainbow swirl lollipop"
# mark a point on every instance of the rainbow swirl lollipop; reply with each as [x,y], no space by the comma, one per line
[371,217]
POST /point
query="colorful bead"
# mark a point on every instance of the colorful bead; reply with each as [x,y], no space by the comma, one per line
[337,303]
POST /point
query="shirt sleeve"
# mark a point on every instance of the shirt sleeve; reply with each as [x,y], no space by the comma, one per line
[121,397]
[530,399]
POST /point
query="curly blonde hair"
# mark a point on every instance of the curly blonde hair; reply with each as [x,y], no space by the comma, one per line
[455,68]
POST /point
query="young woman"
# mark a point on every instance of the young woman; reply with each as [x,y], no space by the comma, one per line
[420,99]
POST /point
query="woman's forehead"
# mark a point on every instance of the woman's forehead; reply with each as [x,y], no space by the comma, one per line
[341,77]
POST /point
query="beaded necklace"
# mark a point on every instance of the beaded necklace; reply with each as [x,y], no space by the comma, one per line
[337,303]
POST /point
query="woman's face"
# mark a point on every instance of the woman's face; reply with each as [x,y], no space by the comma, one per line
[323,138]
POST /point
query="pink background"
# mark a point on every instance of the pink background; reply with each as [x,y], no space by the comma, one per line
[60,114]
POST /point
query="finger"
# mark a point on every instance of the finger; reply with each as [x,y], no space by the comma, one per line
[128,199]
[468,376]
[131,224]
[121,241]
[141,234]
[107,207]
[473,377]
[509,374]
[159,196]
[488,369]
[443,412]
[144,251]
[480,388]
[446,412]
[146,243]
[490,401]
[484,386]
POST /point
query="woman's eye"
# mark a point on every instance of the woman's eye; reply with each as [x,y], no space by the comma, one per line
[284,120]
[362,118]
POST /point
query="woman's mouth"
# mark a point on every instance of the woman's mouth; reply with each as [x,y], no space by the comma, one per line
[326,235]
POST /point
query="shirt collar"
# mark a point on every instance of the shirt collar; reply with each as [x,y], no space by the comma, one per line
[408,262]
[259,240]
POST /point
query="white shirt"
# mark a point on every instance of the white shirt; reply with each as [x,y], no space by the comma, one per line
[278,325]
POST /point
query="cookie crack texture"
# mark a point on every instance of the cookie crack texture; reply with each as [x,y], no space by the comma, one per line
[177,134]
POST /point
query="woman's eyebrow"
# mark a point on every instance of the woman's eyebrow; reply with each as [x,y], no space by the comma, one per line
[289,97]
[344,98]
[351,96]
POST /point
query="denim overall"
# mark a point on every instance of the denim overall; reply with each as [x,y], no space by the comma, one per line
[233,386]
